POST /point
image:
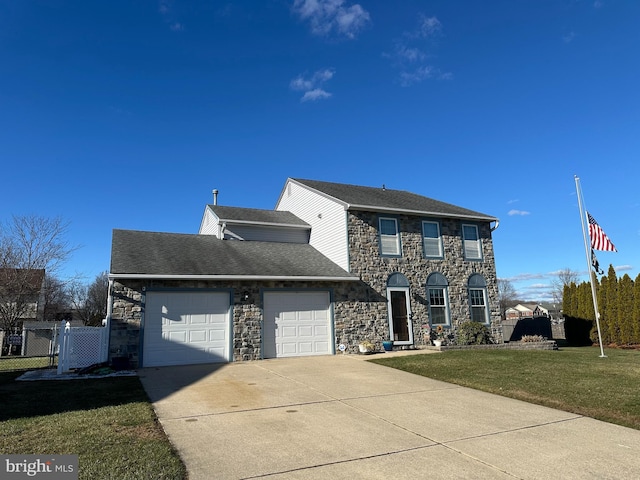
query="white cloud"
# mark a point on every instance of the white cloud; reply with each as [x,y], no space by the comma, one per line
[568,37]
[165,7]
[315,94]
[516,200]
[518,212]
[327,16]
[410,55]
[313,86]
[429,26]
[623,268]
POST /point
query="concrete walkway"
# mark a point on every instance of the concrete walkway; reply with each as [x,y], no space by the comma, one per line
[341,417]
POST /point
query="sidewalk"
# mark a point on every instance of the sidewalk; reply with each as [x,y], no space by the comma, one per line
[341,417]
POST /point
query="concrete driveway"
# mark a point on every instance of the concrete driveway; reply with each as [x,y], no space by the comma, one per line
[342,417]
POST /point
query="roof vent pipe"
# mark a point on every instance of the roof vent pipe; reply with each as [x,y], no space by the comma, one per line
[215,196]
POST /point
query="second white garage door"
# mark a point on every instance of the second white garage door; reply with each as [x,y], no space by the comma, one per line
[182,328]
[297,323]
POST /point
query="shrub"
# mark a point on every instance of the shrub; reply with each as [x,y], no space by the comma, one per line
[532,338]
[473,333]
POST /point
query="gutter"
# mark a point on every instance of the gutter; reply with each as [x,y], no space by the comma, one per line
[159,276]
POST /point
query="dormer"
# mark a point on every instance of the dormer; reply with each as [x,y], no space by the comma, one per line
[250,224]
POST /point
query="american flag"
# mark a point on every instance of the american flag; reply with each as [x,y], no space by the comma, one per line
[599,239]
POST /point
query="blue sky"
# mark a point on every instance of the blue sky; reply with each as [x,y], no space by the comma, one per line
[126,114]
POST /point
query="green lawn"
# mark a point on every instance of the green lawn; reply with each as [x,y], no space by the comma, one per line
[572,379]
[108,422]
[25,363]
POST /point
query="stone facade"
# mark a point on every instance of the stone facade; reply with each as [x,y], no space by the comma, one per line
[374,270]
[360,309]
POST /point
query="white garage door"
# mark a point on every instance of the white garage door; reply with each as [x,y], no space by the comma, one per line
[297,324]
[182,328]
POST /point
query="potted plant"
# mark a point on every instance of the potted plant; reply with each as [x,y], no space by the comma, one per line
[440,336]
[366,347]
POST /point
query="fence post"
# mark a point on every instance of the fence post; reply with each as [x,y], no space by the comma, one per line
[63,353]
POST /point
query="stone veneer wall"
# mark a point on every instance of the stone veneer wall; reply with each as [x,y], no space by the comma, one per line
[371,320]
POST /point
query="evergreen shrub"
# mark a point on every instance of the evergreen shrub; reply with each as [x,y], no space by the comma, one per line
[473,333]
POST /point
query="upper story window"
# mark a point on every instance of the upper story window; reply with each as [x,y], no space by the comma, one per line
[438,293]
[431,239]
[389,237]
[478,298]
[471,242]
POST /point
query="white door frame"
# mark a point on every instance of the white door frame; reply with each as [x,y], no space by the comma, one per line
[392,334]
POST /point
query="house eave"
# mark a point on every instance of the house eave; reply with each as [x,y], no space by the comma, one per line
[422,213]
[155,276]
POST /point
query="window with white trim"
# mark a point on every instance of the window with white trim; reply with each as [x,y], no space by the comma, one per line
[431,239]
[471,242]
[478,299]
[438,293]
[389,237]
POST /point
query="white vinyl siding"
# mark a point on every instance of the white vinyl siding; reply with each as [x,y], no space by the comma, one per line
[389,237]
[432,241]
[265,233]
[327,217]
[471,240]
[209,224]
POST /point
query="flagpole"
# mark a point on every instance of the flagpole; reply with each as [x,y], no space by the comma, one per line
[588,252]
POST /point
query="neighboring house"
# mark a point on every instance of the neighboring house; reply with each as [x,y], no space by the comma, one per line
[526,311]
[22,299]
[331,266]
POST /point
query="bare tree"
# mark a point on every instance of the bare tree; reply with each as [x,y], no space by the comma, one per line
[89,302]
[564,277]
[506,295]
[29,247]
[56,299]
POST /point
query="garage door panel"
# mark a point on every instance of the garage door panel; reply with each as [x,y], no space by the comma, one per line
[184,328]
[297,324]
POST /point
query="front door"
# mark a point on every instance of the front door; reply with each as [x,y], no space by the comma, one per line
[400,316]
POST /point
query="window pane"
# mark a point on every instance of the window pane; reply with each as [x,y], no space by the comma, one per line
[432,247]
[388,226]
[436,296]
[478,305]
[478,314]
[470,232]
[430,229]
[431,238]
[438,316]
[471,242]
[389,245]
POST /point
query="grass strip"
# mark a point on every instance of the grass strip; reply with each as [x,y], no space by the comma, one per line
[575,380]
[108,422]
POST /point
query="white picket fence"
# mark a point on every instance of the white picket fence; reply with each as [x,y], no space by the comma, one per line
[81,347]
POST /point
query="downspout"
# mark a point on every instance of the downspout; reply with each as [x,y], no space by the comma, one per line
[495,227]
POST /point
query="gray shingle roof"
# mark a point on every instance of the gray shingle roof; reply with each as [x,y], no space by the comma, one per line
[175,254]
[254,215]
[378,199]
